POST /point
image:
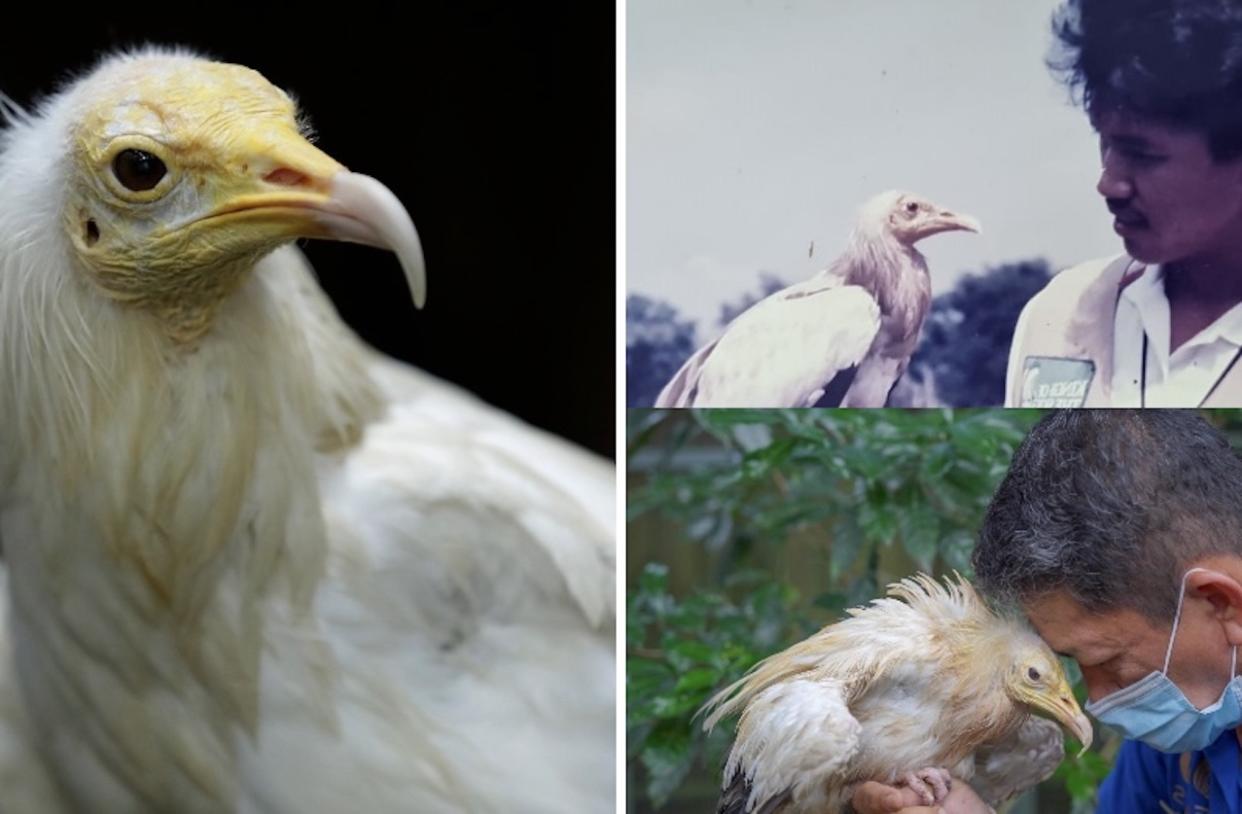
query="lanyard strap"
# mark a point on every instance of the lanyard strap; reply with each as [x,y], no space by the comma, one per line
[1215,384]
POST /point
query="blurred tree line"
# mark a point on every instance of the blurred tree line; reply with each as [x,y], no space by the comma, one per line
[750,529]
[961,357]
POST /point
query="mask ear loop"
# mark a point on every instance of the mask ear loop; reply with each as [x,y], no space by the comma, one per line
[1177,618]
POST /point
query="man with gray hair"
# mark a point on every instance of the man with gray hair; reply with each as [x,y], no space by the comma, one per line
[1119,535]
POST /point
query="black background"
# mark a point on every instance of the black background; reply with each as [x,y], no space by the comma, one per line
[493,122]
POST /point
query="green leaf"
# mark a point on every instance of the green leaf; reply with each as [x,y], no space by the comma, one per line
[675,707]
[698,679]
[920,531]
[877,522]
[956,548]
[654,579]
[686,654]
[833,601]
[846,544]
[666,756]
[752,436]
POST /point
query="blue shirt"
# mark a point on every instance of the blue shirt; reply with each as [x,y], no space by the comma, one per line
[1144,781]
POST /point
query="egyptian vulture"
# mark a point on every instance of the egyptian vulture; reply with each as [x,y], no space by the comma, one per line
[252,565]
[842,338]
[914,688]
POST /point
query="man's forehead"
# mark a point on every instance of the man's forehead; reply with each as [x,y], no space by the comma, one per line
[1070,628]
[1126,126]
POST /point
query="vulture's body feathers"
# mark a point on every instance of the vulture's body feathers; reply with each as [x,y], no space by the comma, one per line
[927,678]
[1013,764]
[841,338]
[829,325]
[250,565]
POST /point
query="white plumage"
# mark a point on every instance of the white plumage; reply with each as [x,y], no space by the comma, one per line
[841,338]
[252,565]
[910,689]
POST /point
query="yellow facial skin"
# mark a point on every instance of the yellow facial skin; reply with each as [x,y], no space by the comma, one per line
[241,179]
[1040,683]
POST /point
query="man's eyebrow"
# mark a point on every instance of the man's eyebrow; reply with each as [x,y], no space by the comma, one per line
[1127,140]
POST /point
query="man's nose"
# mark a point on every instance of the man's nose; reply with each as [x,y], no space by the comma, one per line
[1098,685]
[1114,183]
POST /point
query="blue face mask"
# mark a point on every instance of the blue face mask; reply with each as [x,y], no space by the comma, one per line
[1156,712]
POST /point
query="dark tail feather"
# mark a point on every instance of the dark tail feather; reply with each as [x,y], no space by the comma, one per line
[835,390]
[733,799]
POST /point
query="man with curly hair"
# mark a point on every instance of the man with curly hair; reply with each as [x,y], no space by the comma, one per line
[1161,325]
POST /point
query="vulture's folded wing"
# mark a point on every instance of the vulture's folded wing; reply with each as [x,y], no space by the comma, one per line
[681,389]
[472,559]
[419,441]
[25,787]
[471,565]
[1004,769]
[794,743]
[786,350]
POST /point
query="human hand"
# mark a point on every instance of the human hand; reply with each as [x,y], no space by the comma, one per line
[877,798]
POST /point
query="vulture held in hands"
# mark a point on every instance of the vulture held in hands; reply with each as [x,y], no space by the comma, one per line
[842,338]
[251,565]
[913,689]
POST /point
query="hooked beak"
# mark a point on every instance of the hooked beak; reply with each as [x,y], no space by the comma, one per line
[1059,704]
[946,221]
[290,189]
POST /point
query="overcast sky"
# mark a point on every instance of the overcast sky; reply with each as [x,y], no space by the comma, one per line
[758,126]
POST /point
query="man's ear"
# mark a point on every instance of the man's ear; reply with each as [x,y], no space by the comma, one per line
[1224,592]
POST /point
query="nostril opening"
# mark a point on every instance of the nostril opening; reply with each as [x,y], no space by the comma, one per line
[286,177]
[92,232]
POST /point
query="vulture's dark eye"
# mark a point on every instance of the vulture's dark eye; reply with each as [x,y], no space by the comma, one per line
[138,170]
[912,207]
[1033,673]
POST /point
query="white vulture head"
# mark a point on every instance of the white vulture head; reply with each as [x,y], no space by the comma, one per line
[249,563]
[180,173]
[910,218]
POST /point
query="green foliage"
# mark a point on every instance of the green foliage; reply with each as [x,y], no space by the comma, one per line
[680,650]
[920,479]
[1082,773]
[864,496]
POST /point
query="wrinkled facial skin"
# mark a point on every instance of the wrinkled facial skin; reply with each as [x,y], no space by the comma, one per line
[1117,648]
[224,135]
[913,219]
[1171,200]
[1038,681]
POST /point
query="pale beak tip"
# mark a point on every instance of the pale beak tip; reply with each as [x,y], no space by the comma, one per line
[377,218]
[949,221]
[1084,733]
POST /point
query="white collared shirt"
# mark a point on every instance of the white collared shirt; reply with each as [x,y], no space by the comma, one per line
[1182,380]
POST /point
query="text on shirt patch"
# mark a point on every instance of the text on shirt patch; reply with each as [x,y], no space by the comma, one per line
[1049,381]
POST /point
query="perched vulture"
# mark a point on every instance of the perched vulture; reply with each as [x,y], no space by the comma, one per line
[252,565]
[902,692]
[841,338]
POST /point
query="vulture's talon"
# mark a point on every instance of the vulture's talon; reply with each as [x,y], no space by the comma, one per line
[912,781]
[931,783]
[939,779]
